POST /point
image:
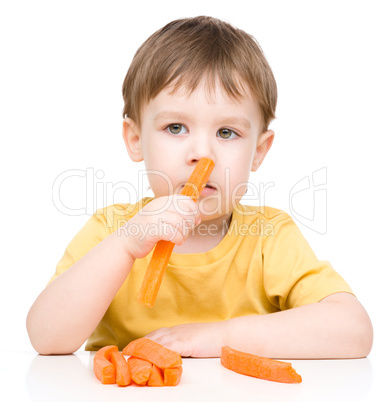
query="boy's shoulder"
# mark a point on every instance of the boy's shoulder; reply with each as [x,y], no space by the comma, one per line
[251,213]
[116,215]
[265,221]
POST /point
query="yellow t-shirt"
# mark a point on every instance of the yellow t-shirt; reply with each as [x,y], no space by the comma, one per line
[262,265]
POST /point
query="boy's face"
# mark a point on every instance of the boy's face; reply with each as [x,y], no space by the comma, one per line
[177,130]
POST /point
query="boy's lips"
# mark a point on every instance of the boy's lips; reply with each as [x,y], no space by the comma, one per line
[208,190]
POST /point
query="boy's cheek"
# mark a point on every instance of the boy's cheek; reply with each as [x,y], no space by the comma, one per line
[240,191]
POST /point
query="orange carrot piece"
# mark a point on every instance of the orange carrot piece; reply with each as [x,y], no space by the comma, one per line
[155,272]
[163,249]
[172,376]
[260,367]
[122,369]
[198,179]
[155,353]
[140,370]
[102,366]
[156,378]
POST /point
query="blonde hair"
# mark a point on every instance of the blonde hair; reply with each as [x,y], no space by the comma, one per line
[185,51]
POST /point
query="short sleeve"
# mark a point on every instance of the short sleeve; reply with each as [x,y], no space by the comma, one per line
[292,274]
[92,233]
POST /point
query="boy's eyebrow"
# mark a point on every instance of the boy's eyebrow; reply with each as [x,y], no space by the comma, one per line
[170,115]
[241,121]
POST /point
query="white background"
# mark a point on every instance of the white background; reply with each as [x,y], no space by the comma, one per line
[62,68]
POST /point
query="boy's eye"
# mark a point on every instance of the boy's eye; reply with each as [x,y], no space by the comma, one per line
[176,128]
[226,133]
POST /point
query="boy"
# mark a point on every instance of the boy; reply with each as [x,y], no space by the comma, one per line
[239,275]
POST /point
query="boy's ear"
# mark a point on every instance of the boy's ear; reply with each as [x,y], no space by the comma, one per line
[264,142]
[131,137]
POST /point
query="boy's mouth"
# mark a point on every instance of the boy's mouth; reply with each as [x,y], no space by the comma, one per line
[208,190]
[208,185]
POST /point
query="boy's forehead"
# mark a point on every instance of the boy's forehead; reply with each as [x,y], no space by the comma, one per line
[212,92]
[211,87]
[171,104]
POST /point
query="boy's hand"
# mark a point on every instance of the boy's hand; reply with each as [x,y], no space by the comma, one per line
[168,218]
[195,340]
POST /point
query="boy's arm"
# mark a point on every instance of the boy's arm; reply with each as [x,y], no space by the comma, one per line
[336,327]
[69,309]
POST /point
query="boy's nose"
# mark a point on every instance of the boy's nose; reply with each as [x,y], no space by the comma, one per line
[200,147]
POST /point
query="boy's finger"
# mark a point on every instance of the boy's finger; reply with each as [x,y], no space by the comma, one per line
[185,205]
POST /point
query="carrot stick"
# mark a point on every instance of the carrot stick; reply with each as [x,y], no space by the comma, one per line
[156,378]
[102,366]
[155,273]
[122,369]
[260,367]
[155,353]
[172,375]
[163,249]
[140,370]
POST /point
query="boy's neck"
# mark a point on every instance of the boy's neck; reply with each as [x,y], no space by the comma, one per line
[205,236]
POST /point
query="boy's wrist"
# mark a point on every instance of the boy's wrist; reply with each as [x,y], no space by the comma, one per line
[226,332]
[124,243]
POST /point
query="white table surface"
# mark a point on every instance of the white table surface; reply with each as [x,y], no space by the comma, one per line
[28,376]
